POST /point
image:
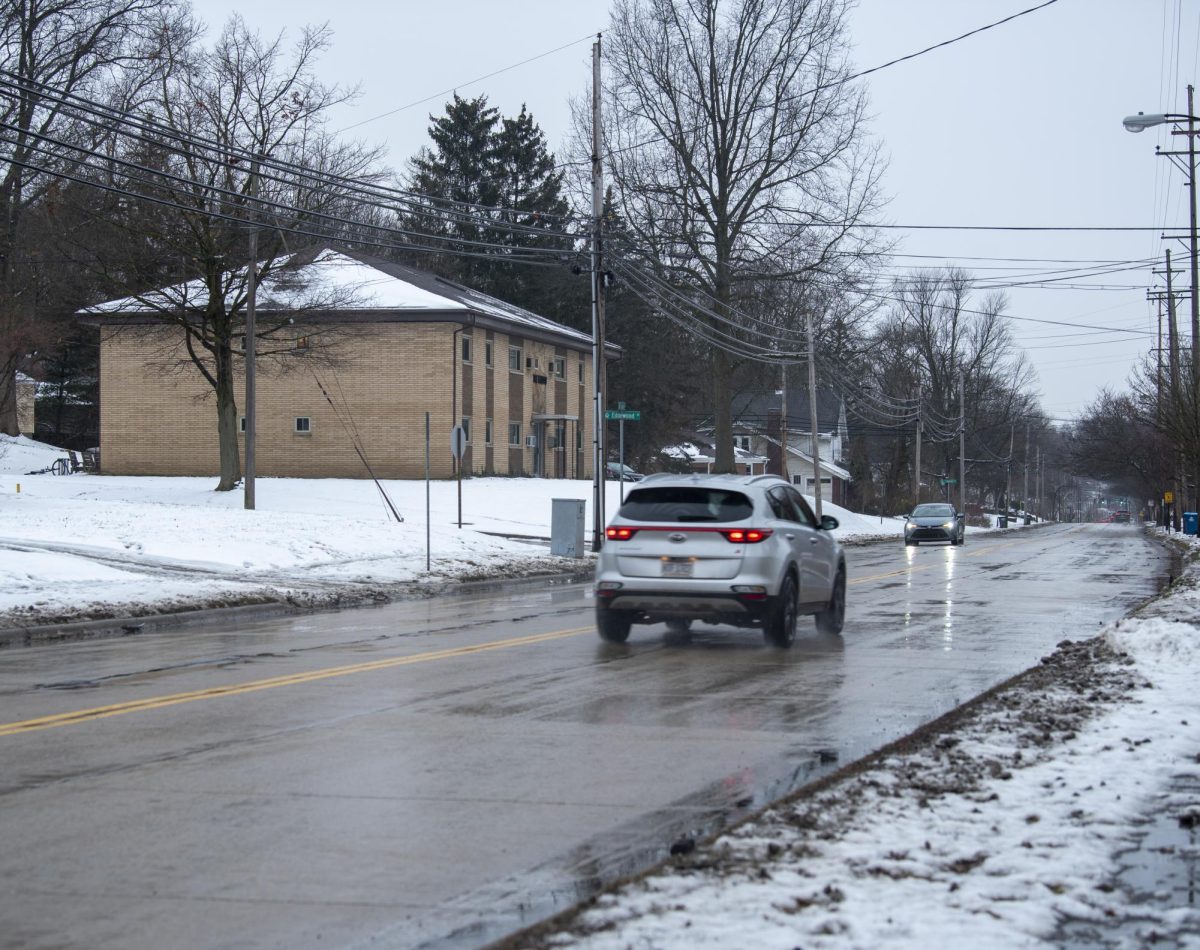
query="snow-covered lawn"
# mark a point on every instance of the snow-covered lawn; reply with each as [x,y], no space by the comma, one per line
[82,545]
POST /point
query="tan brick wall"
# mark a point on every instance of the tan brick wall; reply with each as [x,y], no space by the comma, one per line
[26,395]
[155,421]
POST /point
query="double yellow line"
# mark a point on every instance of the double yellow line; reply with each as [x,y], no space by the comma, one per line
[175,699]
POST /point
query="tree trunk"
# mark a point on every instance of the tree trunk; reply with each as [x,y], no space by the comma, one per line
[8,399]
[227,421]
[722,418]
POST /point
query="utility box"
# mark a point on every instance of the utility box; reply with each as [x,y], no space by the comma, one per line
[1190,520]
[566,526]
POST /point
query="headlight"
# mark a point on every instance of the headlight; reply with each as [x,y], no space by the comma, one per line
[948,525]
[908,526]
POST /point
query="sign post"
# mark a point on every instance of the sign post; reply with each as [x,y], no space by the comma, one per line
[458,444]
[621,414]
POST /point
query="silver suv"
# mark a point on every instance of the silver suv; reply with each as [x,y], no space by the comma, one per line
[728,549]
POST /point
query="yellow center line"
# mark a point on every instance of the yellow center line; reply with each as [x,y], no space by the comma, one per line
[158,702]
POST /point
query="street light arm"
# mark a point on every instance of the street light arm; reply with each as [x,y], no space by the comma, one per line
[1141,121]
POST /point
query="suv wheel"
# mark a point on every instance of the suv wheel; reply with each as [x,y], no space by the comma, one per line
[833,617]
[780,626]
[613,625]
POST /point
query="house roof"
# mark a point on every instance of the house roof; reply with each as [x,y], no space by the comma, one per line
[342,285]
[751,408]
[827,466]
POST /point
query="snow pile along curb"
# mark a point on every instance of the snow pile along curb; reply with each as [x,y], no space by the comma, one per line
[997,827]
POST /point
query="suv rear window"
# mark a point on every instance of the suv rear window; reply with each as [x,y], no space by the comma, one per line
[685,503]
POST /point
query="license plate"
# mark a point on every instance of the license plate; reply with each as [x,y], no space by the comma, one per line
[677,568]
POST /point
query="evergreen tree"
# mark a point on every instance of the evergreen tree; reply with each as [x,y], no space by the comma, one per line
[491,192]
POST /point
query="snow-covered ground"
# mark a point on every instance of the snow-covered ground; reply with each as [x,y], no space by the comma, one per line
[81,546]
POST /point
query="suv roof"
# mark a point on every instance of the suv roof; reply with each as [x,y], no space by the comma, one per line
[701,478]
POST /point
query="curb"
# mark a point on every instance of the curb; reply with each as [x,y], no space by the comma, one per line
[127,626]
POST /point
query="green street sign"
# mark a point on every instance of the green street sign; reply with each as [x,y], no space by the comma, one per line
[948,481]
[629,415]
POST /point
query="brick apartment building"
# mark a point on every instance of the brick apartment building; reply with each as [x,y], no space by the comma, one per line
[401,342]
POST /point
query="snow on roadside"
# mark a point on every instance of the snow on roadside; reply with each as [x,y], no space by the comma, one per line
[993,831]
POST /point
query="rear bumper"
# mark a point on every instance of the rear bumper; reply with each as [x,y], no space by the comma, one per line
[651,606]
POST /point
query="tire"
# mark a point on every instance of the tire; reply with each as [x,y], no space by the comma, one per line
[613,625]
[831,620]
[910,544]
[780,627]
[59,467]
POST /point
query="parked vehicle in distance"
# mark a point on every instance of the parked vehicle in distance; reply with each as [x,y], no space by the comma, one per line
[935,522]
[621,473]
[1119,517]
[744,550]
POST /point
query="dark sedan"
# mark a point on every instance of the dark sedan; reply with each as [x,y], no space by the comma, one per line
[934,522]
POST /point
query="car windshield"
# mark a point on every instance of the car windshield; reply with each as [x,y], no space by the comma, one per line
[679,503]
[933,511]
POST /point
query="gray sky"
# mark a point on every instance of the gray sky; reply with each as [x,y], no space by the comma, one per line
[1019,126]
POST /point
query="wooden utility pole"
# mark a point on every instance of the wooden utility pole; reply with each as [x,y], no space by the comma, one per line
[251,349]
[783,423]
[812,413]
[598,457]
[917,464]
[1025,489]
[962,443]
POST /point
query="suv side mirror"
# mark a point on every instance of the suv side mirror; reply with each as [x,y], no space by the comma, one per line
[828,522]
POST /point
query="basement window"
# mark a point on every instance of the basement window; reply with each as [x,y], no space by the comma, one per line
[303,425]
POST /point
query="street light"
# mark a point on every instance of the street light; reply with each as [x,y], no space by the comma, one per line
[1185,125]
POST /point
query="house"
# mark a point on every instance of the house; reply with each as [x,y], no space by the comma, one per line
[759,424]
[383,346]
[700,456]
[26,400]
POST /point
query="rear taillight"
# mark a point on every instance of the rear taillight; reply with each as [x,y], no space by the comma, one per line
[619,533]
[745,535]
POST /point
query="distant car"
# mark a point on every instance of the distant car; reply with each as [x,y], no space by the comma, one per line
[934,522]
[726,549]
[622,473]
[1119,517]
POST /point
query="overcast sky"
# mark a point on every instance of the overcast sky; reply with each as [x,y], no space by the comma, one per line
[1019,126]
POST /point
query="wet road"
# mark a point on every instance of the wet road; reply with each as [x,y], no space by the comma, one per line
[441,772]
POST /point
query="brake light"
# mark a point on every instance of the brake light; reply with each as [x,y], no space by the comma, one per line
[619,533]
[745,535]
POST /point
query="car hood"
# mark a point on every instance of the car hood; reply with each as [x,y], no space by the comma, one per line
[930,522]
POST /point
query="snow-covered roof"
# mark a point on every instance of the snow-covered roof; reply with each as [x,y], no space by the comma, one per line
[346,282]
[835,470]
[694,453]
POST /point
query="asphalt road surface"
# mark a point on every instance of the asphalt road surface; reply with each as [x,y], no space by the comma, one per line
[439,773]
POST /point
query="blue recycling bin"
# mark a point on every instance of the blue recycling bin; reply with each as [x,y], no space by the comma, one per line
[1190,522]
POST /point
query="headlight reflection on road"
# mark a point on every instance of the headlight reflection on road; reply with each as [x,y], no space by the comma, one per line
[948,614]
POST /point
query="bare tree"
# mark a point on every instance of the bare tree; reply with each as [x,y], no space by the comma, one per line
[736,141]
[49,48]
[231,126]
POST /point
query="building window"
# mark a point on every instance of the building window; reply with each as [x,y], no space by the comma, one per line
[581,372]
[487,352]
[241,423]
[514,360]
[302,343]
[742,442]
[514,434]
[487,432]
[303,425]
[466,427]
[466,349]
[558,367]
